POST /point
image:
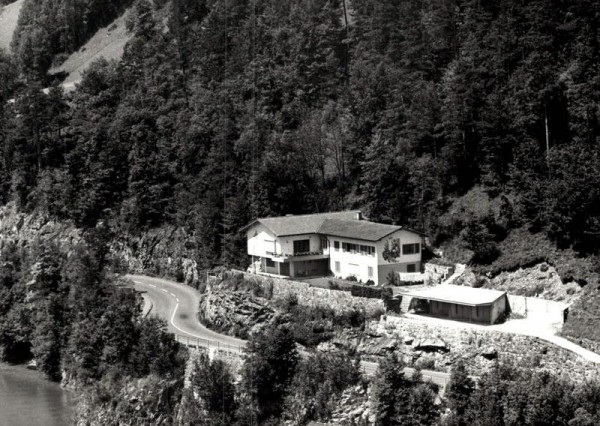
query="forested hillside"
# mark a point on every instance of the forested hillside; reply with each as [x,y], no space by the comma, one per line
[50,28]
[418,112]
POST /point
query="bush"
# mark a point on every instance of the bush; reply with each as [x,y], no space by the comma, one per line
[351,278]
[369,292]
[393,279]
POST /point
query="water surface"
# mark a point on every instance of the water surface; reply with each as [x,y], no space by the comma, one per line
[27,399]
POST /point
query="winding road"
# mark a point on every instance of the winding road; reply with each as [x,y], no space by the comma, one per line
[178,305]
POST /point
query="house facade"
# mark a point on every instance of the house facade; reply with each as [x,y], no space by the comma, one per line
[339,243]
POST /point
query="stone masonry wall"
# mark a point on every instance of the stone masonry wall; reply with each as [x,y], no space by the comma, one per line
[338,300]
[437,273]
[480,348]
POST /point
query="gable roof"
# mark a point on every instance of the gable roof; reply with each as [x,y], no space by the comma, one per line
[458,294]
[360,230]
[344,224]
[302,224]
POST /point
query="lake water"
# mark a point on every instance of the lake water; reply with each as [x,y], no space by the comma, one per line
[26,399]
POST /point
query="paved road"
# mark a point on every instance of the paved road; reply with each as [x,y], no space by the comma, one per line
[178,304]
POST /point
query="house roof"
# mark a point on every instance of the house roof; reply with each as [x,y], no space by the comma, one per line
[360,230]
[345,224]
[458,294]
[302,224]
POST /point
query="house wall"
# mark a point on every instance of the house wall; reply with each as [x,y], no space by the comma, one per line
[257,235]
[309,268]
[355,264]
[385,269]
[405,237]
[402,262]
[261,241]
[287,243]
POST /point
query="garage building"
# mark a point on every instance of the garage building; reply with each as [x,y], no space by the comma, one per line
[463,303]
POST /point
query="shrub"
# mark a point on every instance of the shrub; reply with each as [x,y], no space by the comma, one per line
[393,279]
[426,364]
[268,290]
[363,291]
[351,278]
[291,299]
[478,283]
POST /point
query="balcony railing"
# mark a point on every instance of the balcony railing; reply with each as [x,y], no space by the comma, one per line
[284,255]
[415,277]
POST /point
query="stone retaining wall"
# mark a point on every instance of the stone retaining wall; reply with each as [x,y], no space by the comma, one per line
[338,300]
[480,348]
[437,273]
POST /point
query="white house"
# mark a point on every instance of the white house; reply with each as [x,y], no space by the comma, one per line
[342,243]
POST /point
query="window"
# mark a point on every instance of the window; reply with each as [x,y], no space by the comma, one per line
[411,267]
[336,245]
[367,250]
[337,266]
[301,246]
[349,247]
[476,311]
[370,272]
[270,263]
[411,248]
[323,243]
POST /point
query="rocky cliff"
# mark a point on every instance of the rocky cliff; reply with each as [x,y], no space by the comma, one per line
[26,229]
[167,251]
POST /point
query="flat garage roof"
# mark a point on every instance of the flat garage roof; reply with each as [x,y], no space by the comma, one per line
[458,294]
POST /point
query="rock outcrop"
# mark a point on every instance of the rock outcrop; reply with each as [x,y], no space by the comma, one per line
[235,313]
[141,402]
[536,281]
[167,251]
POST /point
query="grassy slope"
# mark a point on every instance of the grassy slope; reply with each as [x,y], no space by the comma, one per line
[108,42]
[9,16]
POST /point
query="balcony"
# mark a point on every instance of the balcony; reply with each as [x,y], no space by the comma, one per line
[308,255]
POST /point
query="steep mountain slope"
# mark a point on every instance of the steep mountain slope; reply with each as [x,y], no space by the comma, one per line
[109,43]
[9,15]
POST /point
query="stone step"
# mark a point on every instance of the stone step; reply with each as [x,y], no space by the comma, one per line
[405,304]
